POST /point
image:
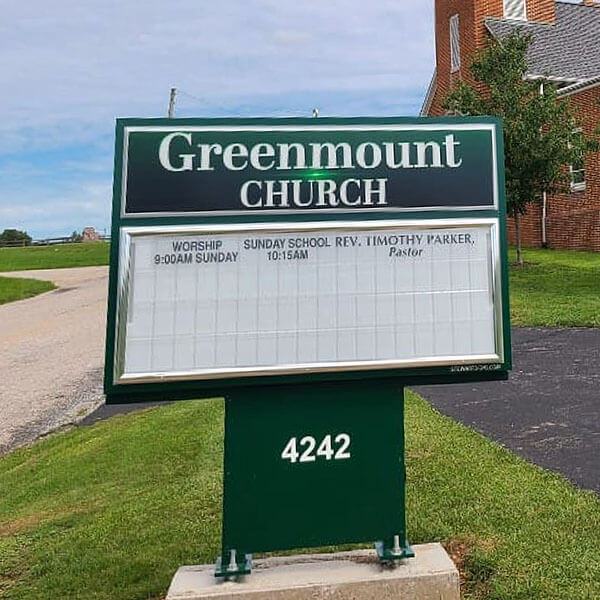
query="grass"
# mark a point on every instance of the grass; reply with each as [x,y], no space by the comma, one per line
[54,257]
[111,511]
[556,288]
[12,288]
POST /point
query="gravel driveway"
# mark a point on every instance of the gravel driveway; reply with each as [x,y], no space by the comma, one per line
[51,354]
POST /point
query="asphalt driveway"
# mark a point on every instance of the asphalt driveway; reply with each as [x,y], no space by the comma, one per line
[549,409]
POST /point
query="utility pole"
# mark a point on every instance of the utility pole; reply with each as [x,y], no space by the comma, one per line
[172,102]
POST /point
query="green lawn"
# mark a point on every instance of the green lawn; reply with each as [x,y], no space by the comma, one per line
[54,257]
[13,288]
[111,511]
[556,288]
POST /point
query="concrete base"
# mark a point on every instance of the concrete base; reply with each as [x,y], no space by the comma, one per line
[354,575]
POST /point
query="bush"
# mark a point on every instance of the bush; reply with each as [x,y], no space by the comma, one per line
[14,237]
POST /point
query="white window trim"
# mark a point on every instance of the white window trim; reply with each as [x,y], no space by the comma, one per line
[522,17]
[454,48]
[580,185]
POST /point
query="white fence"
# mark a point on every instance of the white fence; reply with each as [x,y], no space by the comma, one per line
[48,242]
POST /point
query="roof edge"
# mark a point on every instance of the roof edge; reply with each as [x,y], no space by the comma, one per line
[431,89]
[580,86]
[517,22]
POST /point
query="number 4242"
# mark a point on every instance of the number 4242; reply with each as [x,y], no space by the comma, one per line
[325,449]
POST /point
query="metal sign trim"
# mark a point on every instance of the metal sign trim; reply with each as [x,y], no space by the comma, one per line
[258,128]
[127,233]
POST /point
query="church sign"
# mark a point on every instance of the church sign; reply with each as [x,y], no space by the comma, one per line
[248,249]
[307,270]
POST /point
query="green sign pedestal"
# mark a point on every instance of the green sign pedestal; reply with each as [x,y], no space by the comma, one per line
[313,465]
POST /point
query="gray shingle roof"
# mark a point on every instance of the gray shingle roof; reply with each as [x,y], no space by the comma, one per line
[569,49]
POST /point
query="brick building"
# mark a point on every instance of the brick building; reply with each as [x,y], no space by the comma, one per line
[565,50]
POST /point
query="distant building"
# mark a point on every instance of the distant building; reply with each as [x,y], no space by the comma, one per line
[89,234]
[565,50]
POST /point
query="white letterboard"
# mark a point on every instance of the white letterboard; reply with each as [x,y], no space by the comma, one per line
[243,300]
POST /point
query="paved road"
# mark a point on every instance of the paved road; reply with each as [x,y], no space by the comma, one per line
[549,410]
[51,354]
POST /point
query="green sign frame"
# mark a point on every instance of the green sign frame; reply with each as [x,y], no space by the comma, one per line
[459,202]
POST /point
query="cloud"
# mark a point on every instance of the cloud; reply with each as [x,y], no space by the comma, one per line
[56,211]
[292,37]
[69,68]
[51,196]
[83,63]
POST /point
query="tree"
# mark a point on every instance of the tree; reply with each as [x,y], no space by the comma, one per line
[539,138]
[76,237]
[14,237]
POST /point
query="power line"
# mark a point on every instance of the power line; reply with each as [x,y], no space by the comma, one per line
[282,112]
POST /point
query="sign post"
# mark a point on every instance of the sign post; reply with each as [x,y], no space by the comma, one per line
[307,270]
[309,465]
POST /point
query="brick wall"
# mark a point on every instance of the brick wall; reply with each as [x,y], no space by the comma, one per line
[573,219]
[531,227]
[471,31]
[473,36]
[543,11]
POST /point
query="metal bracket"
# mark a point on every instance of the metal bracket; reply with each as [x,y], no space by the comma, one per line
[233,568]
[395,553]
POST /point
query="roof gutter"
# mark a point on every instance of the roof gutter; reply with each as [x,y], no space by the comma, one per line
[555,79]
[580,86]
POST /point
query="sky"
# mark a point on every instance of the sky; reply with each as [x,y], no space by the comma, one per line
[69,68]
